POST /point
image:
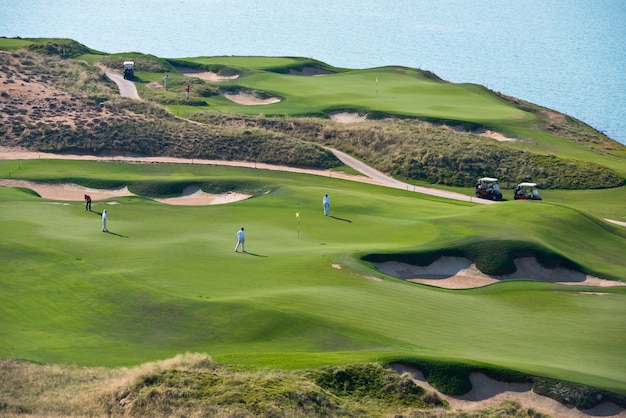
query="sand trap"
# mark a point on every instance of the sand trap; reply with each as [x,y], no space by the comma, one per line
[482,132]
[461,273]
[498,136]
[206,75]
[249,99]
[66,191]
[347,117]
[487,392]
[192,196]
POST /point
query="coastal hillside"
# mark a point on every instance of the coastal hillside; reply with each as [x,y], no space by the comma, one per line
[55,97]
[396,303]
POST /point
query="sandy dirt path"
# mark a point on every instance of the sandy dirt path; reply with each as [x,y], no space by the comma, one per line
[386,180]
[127,87]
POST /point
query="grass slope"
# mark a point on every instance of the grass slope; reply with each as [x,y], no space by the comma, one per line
[166,280]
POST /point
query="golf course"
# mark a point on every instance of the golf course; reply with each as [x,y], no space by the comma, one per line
[309,292]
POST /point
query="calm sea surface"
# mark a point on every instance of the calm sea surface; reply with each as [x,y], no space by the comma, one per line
[569,55]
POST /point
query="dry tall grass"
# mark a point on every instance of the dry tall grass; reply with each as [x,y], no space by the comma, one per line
[191,385]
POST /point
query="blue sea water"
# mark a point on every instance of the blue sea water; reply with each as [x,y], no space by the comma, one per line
[569,55]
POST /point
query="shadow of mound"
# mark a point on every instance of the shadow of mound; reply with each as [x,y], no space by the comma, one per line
[311,71]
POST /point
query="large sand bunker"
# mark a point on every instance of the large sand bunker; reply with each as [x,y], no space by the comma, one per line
[461,273]
[206,75]
[250,99]
[347,117]
[487,392]
[192,195]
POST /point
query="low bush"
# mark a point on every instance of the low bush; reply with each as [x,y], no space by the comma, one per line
[580,396]
[373,381]
[64,48]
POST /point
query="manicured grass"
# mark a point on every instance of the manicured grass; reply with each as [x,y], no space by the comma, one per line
[258,63]
[167,280]
[399,90]
[13,43]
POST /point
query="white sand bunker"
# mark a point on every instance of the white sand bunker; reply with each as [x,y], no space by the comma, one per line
[66,191]
[348,117]
[487,392]
[193,196]
[461,273]
[482,132]
[497,136]
[248,98]
[206,75]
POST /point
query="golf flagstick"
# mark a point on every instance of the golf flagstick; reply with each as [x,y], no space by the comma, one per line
[298,217]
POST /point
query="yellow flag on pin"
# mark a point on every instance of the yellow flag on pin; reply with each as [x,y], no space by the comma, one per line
[297,214]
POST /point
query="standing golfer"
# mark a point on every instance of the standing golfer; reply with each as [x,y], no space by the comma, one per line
[187,92]
[166,81]
[241,237]
[104,221]
[88,202]
[326,204]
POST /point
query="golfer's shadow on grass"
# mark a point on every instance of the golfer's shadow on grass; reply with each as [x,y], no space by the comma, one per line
[116,234]
[253,254]
[340,219]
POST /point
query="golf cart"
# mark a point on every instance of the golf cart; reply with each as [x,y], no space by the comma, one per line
[129,70]
[487,188]
[526,191]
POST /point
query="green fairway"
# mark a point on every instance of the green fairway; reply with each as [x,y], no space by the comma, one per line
[392,90]
[166,280]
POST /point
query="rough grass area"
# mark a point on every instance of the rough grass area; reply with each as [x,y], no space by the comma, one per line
[193,385]
[52,104]
[425,151]
[78,112]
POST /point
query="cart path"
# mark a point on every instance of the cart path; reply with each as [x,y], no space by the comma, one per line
[127,87]
[388,181]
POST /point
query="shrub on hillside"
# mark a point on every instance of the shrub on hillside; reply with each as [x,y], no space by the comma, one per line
[417,150]
[373,381]
[64,48]
[580,396]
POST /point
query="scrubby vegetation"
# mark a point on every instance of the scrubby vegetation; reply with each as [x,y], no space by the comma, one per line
[418,150]
[71,119]
[83,113]
[192,385]
[63,48]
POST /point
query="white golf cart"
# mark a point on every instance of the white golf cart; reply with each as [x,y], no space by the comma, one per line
[526,191]
[129,70]
[488,188]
